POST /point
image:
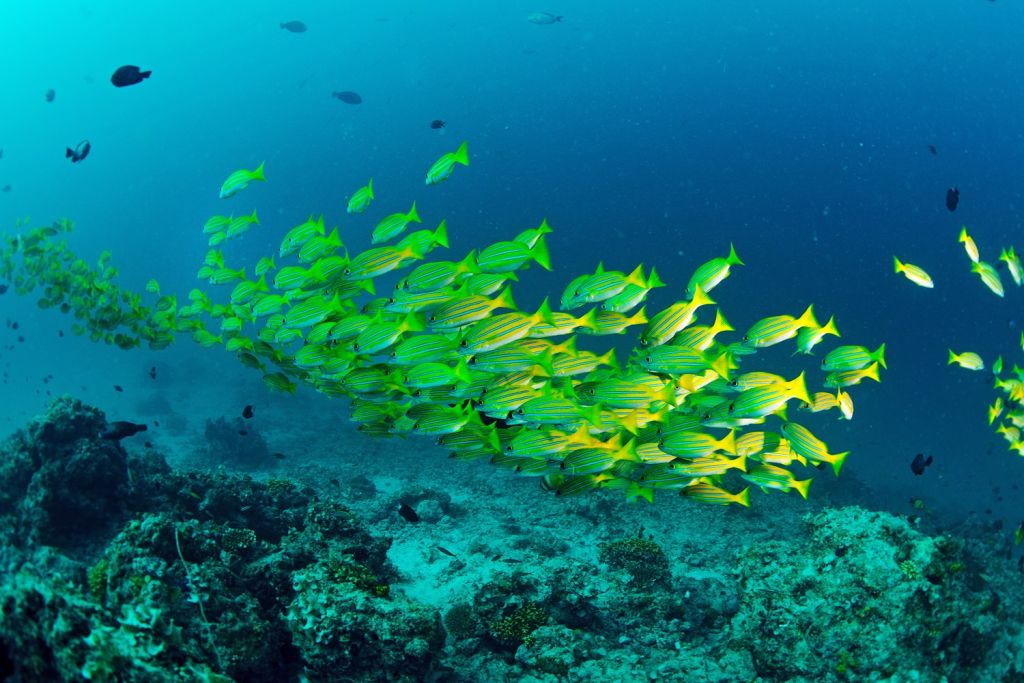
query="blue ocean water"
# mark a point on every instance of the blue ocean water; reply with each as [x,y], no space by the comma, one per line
[655,134]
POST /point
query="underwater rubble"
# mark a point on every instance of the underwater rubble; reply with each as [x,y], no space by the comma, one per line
[118,567]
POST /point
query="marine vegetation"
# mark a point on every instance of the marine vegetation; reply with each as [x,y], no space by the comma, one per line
[435,357]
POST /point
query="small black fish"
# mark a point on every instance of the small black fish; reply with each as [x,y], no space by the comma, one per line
[128,75]
[931,148]
[447,552]
[50,94]
[243,432]
[148,444]
[3,289]
[293,26]
[280,456]
[122,430]
[952,198]
[919,463]
[437,124]
[6,188]
[347,96]
[152,372]
[80,151]
[60,333]
[247,412]
[118,387]
[407,513]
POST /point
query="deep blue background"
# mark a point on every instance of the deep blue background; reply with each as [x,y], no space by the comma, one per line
[797,130]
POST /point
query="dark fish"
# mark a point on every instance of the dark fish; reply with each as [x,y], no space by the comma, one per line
[279,456]
[80,151]
[7,188]
[50,94]
[152,372]
[408,514]
[128,75]
[447,552]
[293,26]
[952,198]
[347,96]
[919,463]
[3,289]
[437,124]
[931,148]
[118,387]
[247,412]
[122,430]
[156,423]
[148,444]
[1,153]
[60,333]
[243,432]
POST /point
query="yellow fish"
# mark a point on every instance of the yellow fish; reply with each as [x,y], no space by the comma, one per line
[361,198]
[967,360]
[990,276]
[969,246]
[239,180]
[914,273]
[444,166]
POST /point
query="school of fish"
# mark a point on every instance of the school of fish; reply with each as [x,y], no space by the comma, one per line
[450,355]
[1006,413]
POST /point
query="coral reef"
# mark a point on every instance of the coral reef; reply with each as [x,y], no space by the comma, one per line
[235,443]
[198,575]
[194,576]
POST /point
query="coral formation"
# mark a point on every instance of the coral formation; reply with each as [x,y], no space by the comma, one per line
[640,557]
[218,577]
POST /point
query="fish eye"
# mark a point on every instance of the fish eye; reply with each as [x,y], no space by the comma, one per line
[731,407]
[647,359]
[348,271]
[734,383]
[643,342]
[520,411]
[746,337]
[464,344]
